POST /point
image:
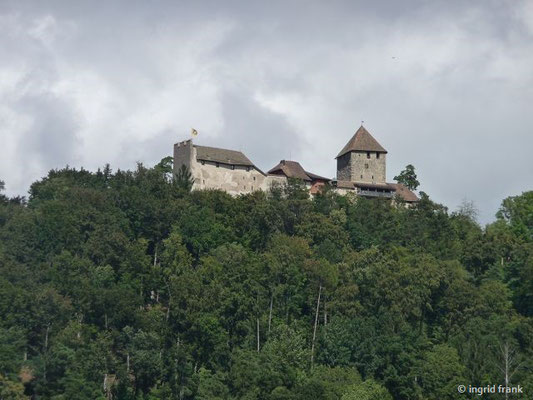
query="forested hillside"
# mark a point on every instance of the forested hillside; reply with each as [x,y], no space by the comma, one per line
[125,285]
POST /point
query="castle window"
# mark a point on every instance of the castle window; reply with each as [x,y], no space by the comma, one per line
[217,164]
[254,178]
[366,166]
[367,154]
[233,167]
[361,176]
[377,155]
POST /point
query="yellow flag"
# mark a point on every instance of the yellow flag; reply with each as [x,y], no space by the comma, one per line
[194,132]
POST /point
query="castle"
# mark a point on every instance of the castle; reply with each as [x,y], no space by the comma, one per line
[361,169]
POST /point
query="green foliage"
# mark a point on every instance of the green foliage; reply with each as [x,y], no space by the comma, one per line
[367,390]
[12,390]
[127,283]
[440,372]
[184,179]
[517,211]
[408,178]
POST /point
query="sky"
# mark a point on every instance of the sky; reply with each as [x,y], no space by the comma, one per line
[444,85]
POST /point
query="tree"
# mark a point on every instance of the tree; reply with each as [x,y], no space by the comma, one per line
[165,165]
[120,284]
[440,372]
[184,179]
[408,178]
[517,211]
[368,390]
[12,390]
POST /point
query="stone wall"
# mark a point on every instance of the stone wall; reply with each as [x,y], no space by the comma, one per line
[234,179]
[183,155]
[344,170]
[368,170]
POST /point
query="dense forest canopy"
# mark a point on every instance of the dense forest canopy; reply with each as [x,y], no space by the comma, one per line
[126,285]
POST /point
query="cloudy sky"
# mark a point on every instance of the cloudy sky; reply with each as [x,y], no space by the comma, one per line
[444,85]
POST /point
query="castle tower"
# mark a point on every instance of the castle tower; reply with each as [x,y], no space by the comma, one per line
[363,159]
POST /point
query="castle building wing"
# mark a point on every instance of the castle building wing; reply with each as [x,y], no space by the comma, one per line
[406,194]
[362,140]
[293,169]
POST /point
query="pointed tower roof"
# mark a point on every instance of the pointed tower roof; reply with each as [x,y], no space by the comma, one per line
[362,141]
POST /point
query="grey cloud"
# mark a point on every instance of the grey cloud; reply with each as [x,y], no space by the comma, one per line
[51,140]
[280,79]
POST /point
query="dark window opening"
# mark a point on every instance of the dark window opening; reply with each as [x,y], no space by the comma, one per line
[233,167]
[367,154]
[377,155]
[217,164]
[366,166]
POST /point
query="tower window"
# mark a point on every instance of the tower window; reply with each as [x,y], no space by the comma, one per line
[361,176]
[377,155]
[367,154]
[366,166]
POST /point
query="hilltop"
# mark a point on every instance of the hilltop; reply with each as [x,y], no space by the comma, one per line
[127,285]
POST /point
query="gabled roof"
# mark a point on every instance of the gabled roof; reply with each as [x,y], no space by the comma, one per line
[404,193]
[293,169]
[224,156]
[316,177]
[362,140]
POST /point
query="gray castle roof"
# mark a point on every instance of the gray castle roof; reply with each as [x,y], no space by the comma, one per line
[232,157]
[362,140]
